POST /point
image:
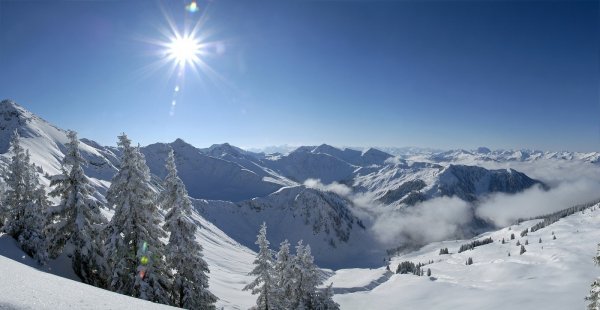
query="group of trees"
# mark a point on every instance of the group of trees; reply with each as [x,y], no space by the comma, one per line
[286,281]
[474,244]
[408,267]
[125,254]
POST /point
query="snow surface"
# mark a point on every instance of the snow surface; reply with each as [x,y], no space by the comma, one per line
[554,274]
[23,286]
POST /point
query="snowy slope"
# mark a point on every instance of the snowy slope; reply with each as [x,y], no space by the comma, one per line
[45,142]
[26,287]
[322,219]
[554,274]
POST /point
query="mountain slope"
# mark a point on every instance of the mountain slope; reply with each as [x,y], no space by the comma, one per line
[322,219]
[46,144]
[554,274]
[209,177]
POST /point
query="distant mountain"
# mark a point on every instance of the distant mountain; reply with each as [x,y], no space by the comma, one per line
[210,177]
[484,154]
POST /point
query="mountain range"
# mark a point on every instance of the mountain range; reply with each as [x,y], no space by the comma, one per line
[238,189]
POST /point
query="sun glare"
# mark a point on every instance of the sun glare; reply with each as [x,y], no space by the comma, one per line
[184,50]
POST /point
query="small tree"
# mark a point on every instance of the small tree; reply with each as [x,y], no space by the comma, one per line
[540,240]
[526,242]
[522,250]
[512,236]
[554,237]
[263,271]
[518,243]
[428,272]
[469,261]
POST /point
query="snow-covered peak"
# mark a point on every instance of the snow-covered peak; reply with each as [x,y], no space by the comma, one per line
[46,144]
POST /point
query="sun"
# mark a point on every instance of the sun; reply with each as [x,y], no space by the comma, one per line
[184,50]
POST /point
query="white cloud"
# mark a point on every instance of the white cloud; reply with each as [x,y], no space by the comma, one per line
[335,187]
[432,220]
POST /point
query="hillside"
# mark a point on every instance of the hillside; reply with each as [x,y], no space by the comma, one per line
[554,274]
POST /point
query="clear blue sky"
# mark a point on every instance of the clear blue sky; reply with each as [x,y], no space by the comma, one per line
[444,74]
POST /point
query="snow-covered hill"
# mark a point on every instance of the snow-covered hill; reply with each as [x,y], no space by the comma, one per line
[553,274]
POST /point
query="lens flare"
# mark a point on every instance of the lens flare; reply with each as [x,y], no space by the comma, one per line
[192,7]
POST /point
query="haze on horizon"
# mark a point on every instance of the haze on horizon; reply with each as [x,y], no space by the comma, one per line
[440,74]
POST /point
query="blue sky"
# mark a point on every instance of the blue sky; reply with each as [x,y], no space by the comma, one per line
[443,74]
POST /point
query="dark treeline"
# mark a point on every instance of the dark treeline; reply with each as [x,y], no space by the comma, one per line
[474,244]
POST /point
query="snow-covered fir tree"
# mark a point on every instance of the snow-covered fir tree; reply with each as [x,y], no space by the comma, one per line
[18,193]
[33,239]
[184,254]
[3,209]
[594,297]
[307,278]
[325,300]
[263,284]
[76,222]
[25,203]
[134,252]
[284,277]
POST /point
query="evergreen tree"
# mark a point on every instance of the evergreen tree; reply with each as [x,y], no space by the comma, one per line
[306,278]
[3,209]
[522,250]
[325,300]
[284,277]
[77,221]
[263,270]
[512,236]
[134,252]
[540,240]
[594,297]
[19,191]
[25,203]
[428,272]
[33,239]
[184,254]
